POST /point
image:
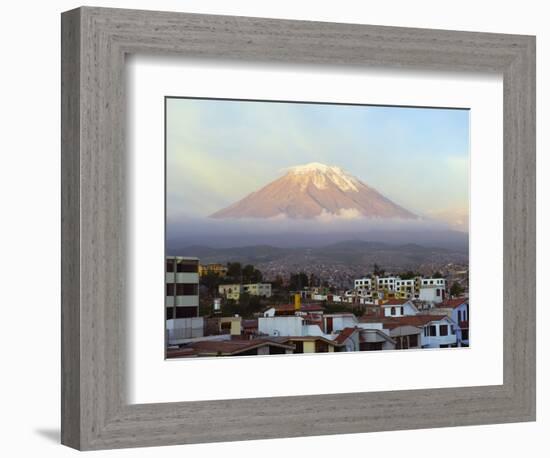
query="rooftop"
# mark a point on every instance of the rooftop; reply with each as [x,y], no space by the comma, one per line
[395,302]
[226,347]
[345,334]
[394,322]
[453,303]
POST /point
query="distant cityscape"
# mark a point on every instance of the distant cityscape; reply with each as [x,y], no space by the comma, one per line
[236,309]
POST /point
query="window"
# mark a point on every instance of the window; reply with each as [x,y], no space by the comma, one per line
[438,292]
[190,266]
[187,312]
[392,311]
[432,331]
[170,289]
[187,289]
[465,334]
[402,310]
[443,330]
[170,265]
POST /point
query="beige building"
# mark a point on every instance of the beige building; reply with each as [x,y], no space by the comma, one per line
[218,269]
[234,291]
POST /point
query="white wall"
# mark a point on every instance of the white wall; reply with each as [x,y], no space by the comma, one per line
[29,186]
[281,325]
[342,321]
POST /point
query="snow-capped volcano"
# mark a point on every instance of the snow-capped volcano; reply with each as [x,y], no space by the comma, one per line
[315,190]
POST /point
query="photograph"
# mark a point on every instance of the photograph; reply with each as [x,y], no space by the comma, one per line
[299,227]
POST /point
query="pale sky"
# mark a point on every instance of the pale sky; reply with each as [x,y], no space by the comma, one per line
[220,151]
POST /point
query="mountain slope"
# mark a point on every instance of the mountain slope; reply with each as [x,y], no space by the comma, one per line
[314,190]
[342,254]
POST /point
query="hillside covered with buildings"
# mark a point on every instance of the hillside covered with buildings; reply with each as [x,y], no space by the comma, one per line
[231,309]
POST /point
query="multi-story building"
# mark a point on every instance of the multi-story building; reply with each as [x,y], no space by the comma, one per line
[258,289]
[231,291]
[234,291]
[182,287]
[363,285]
[405,288]
[217,269]
[432,290]
[376,287]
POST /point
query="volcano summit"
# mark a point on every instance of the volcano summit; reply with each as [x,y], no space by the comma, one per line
[313,190]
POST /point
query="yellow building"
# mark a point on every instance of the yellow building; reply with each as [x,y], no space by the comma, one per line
[230,325]
[217,269]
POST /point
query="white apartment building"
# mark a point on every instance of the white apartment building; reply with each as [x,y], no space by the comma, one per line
[364,283]
[441,282]
[427,289]
[405,286]
[182,287]
[258,289]
[232,291]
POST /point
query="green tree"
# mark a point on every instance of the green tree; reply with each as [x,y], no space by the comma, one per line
[211,281]
[251,275]
[234,271]
[408,275]
[278,282]
[298,281]
[456,289]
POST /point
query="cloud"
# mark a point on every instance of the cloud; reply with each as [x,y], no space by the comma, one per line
[343,214]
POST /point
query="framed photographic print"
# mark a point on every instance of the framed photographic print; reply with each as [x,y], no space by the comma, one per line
[253,207]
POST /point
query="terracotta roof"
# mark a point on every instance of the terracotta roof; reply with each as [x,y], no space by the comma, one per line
[303,308]
[345,334]
[227,347]
[179,352]
[312,308]
[453,303]
[312,338]
[395,302]
[250,323]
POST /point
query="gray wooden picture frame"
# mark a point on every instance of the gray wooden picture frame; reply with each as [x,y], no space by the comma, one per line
[95,41]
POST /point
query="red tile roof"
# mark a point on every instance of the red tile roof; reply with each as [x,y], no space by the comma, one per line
[179,352]
[311,339]
[303,308]
[225,347]
[345,334]
[453,303]
[395,302]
